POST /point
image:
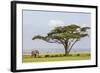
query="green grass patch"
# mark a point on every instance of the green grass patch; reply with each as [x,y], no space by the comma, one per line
[49,57]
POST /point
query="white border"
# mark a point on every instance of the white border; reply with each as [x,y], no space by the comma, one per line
[21,65]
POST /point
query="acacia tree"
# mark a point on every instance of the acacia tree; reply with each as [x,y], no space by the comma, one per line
[65,35]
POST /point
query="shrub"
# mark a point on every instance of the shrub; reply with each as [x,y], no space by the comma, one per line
[52,56]
[89,54]
[47,55]
[60,55]
[56,55]
[64,55]
[39,56]
[78,54]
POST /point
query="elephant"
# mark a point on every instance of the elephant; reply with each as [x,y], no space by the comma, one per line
[35,53]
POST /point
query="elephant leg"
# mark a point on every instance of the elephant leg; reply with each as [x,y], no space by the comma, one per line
[35,55]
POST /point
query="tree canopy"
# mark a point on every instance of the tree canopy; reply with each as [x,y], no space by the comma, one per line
[65,35]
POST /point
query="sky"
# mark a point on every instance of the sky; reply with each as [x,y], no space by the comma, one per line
[41,22]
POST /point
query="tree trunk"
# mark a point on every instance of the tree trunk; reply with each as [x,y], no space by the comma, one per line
[66,47]
[66,50]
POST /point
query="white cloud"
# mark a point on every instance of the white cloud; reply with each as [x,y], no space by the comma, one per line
[55,23]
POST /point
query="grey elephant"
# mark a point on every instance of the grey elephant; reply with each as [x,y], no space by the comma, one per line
[35,53]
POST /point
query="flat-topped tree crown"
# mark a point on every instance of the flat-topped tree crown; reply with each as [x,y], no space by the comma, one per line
[65,35]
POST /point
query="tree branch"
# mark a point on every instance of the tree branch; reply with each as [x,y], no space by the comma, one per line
[54,41]
[73,45]
[69,43]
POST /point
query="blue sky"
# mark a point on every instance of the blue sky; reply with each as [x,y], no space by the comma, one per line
[41,22]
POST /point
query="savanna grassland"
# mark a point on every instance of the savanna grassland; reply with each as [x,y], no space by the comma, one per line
[50,57]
